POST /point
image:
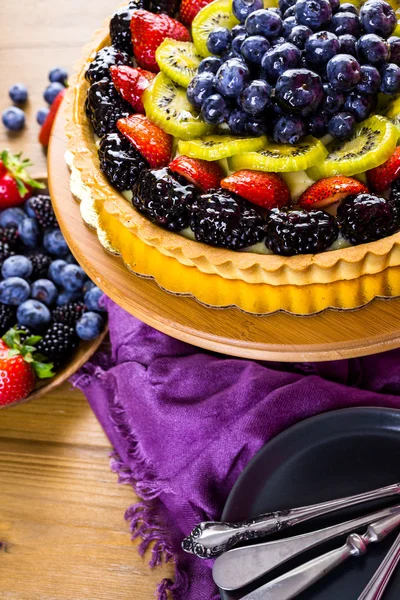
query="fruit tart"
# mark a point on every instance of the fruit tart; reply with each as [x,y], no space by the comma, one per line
[253,142]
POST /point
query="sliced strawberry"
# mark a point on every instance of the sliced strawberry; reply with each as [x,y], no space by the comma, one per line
[330,190]
[151,141]
[264,189]
[131,84]
[382,177]
[148,31]
[45,132]
[15,182]
[3,169]
[202,173]
[190,8]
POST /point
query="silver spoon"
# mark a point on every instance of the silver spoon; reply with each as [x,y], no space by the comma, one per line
[378,583]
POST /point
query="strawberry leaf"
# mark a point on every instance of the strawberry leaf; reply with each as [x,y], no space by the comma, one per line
[43,370]
[17,166]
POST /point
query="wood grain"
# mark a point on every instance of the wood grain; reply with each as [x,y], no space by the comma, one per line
[62,529]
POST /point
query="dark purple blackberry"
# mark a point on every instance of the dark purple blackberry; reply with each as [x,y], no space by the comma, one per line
[7,318]
[364,218]
[300,231]
[69,313]
[10,236]
[58,343]
[120,161]
[5,251]
[164,198]
[24,333]
[220,218]
[120,26]
[44,212]
[99,68]
[395,198]
[40,263]
[104,107]
[168,7]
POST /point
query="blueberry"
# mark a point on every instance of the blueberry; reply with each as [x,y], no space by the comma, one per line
[45,291]
[72,278]
[321,47]
[58,74]
[33,314]
[344,72]
[238,30]
[358,105]
[70,259]
[243,8]
[341,125]
[28,209]
[253,48]
[64,297]
[17,266]
[237,43]
[372,49]
[394,45]
[11,217]
[318,125]
[219,40]
[313,13]
[237,121]
[54,242]
[211,64]
[299,35]
[335,5]
[279,59]
[348,7]
[285,4]
[276,10]
[288,130]
[52,91]
[346,23]
[378,17]
[299,91]
[370,80]
[14,290]
[348,44]
[255,96]
[13,118]
[215,109]
[264,22]
[55,270]
[29,232]
[333,100]
[390,83]
[89,326]
[256,126]
[232,77]
[92,299]
[277,41]
[287,26]
[18,93]
[200,88]
[88,285]
[42,115]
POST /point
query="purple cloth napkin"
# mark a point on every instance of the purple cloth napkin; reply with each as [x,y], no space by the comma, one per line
[184,423]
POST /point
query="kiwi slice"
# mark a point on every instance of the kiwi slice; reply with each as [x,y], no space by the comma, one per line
[178,60]
[216,147]
[166,104]
[392,112]
[281,158]
[371,144]
[216,14]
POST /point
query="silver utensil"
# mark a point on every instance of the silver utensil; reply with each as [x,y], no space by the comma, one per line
[296,581]
[378,583]
[210,538]
[242,566]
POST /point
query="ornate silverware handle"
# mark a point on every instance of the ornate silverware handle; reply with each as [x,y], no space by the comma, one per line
[296,581]
[210,539]
[378,583]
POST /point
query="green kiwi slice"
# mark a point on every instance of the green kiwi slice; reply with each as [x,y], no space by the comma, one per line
[216,147]
[216,14]
[178,60]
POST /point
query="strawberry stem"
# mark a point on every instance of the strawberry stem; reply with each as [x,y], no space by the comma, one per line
[17,167]
[12,338]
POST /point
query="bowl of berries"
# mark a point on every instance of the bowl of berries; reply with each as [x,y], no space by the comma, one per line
[51,318]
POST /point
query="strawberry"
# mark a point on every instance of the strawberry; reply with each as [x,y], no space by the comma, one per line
[264,189]
[15,182]
[202,173]
[383,176]
[151,141]
[131,84]
[19,367]
[45,132]
[330,190]
[148,31]
[190,8]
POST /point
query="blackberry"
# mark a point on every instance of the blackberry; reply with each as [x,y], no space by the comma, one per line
[58,343]
[300,231]
[168,7]
[120,161]
[10,236]
[5,251]
[25,333]
[120,26]
[104,107]
[41,263]
[69,313]
[44,213]
[164,198]
[395,198]
[221,218]
[365,217]
[7,318]
[99,68]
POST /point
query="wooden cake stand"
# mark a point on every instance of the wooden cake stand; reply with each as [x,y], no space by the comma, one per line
[330,335]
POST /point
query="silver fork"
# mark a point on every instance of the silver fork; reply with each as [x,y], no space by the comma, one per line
[378,583]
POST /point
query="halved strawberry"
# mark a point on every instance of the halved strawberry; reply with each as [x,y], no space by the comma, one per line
[202,173]
[190,8]
[264,189]
[45,132]
[131,84]
[15,182]
[383,176]
[151,141]
[330,190]
[148,31]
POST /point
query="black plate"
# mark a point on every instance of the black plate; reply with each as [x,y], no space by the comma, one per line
[330,456]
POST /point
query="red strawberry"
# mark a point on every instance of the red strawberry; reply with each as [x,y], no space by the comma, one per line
[190,8]
[45,132]
[330,190]
[382,177]
[264,189]
[202,173]
[131,84]
[15,182]
[148,31]
[3,169]
[151,141]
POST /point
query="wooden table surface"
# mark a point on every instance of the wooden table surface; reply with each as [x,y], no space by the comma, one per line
[62,529]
